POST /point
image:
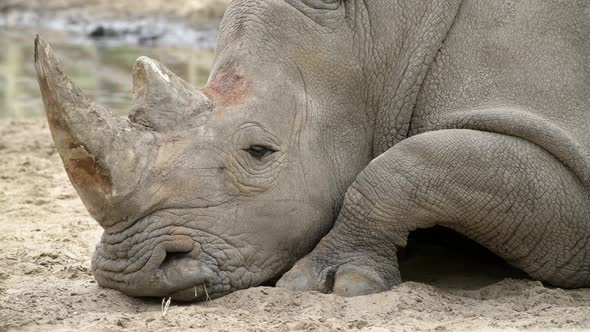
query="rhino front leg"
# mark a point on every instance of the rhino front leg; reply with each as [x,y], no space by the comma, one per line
[506,193]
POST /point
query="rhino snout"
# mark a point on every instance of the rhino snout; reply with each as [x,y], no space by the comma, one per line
[175,268]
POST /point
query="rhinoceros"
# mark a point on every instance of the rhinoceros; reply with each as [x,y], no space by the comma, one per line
[328,131]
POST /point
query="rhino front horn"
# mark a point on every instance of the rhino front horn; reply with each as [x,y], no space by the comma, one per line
[101,153]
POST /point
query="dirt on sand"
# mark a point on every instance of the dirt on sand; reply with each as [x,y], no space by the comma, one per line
[47,238]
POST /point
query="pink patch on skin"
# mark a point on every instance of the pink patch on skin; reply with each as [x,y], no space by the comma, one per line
[228,88]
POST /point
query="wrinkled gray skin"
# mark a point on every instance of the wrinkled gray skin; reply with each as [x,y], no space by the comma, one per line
[382,116]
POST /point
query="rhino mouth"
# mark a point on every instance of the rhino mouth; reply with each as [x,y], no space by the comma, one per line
[168,254]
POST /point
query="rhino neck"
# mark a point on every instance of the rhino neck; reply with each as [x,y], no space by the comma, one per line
[405,47]
[395,43]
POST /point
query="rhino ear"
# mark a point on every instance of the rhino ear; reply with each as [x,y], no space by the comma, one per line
[162,100]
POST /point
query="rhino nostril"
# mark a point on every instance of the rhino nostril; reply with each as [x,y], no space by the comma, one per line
[170,251]
[182,269]
[180,261]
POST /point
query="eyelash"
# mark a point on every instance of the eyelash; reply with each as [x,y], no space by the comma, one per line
[259,151]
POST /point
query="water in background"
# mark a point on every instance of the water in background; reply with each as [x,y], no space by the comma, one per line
[102,72]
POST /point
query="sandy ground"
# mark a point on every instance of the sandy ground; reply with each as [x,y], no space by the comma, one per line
[47,238]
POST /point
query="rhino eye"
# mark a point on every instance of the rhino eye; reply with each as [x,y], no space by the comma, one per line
[323,4]
[259,151]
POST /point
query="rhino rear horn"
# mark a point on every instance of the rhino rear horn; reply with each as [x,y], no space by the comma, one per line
[100,151]
[162,100]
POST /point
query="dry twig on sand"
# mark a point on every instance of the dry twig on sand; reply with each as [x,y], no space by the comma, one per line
[206,293]
[207,298]
[165,305]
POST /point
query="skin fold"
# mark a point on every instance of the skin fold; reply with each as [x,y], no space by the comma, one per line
[328,131]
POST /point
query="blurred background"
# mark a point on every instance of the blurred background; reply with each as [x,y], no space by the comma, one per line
[98,41]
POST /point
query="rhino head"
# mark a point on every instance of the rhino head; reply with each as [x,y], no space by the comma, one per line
[225,188]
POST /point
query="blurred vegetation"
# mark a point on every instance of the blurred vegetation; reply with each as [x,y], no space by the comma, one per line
[195,11]
[104,74]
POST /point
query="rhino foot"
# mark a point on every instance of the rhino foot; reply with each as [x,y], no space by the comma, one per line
[340,273]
